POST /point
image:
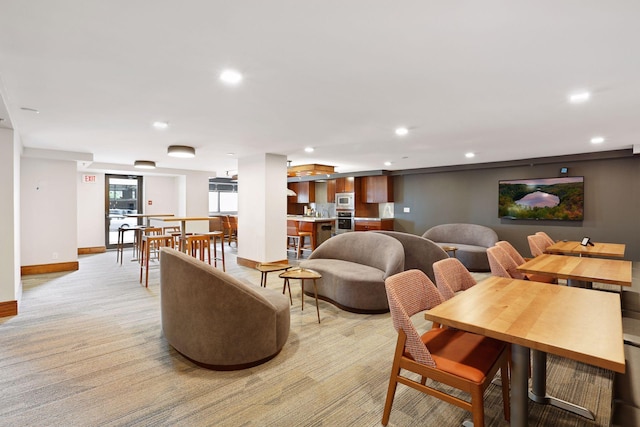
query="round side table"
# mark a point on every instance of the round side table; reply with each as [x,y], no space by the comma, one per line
[302,274]
[265,267]
[451,249]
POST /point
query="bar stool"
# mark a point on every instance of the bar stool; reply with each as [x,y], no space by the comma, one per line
[120,245]
[197,245]
[296,238]
[155,241]
[215,236]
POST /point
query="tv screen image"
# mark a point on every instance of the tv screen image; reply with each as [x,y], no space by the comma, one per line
[542,198]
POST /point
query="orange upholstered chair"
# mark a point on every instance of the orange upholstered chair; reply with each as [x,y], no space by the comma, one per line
[549,241]
[459,359]
[502,265]
[513,252]
[452,276]
[537,244]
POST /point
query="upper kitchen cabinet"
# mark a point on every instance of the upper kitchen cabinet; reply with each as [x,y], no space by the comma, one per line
[331,190]
[377,189]
[306,191]
[345,185]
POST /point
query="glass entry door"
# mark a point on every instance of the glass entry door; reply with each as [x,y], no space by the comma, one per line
[122,198]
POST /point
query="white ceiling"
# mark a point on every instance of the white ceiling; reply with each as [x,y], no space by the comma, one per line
[490,77]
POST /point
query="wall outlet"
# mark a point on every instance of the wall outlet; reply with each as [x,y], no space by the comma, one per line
[54,255]
[407,210]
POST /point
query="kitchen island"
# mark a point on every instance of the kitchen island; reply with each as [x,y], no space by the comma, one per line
[321,228]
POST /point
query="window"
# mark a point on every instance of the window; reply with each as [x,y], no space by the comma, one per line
[223,196]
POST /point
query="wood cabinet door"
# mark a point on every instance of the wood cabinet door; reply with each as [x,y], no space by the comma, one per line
[377,189]
[345,185]
[306,192]
[331,191]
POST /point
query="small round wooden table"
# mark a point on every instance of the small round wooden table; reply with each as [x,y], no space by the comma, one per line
[302,274]
[451,249]
[266,267]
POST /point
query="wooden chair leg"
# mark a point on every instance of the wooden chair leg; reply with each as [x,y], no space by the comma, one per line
[393,381]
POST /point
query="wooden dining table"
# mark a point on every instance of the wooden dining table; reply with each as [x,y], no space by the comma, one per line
[539,318]
[596,250]
[580,271]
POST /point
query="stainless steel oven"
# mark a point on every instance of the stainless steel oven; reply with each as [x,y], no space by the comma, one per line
[345,201]
[344,223]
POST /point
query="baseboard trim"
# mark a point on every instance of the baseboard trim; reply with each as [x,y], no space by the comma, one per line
[92,250]
[26,270]
[252,264]
[8,308]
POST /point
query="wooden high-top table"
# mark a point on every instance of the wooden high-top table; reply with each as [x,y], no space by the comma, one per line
[598,249]
[575,323]
[183,225]
[580,271]
[148,217]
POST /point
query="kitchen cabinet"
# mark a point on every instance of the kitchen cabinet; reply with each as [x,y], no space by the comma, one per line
[373,224]
[377,189]
[306,192]
[345,185]
[331,191]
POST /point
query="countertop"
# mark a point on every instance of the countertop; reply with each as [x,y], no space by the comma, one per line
[361,218]
[310,218]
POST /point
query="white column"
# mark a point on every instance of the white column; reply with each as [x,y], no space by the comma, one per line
[262,208]
[10,284]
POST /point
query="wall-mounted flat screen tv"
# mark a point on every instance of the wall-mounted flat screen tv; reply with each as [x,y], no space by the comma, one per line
[542,199]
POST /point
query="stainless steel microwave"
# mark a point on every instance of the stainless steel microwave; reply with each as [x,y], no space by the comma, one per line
[345,201]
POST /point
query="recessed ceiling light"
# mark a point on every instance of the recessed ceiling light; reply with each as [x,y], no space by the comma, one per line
[231,154]
[597,140]
[579,97]
[160,125]
[31,110]
[231,77]
[387,163]
[144,164]
[470,155]
[402,131]
[309,150]
[183,151]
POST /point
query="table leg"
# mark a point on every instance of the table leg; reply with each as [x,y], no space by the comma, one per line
[315,291]
[284,287]
[519,385]
[183,235]
[302,292]
[538,392]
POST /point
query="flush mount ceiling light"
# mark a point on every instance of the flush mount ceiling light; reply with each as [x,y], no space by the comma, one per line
[579,97]
[160,125]
[231,77]
[597,140]
[402,131]
[183,151]
[144,164]
[309,150]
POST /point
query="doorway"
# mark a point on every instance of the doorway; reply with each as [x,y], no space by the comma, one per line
[122,198]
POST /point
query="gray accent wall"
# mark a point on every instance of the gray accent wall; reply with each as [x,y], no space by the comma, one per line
[611,210]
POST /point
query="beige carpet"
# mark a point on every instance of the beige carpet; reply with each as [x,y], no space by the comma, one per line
[87,349]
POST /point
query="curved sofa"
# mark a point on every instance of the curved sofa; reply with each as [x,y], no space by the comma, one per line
[472,241]
[353,267]
[215,320]
[419,253]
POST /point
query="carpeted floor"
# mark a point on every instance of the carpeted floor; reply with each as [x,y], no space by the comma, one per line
[87,349]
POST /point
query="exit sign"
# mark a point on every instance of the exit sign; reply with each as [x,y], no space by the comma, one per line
[89,179]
